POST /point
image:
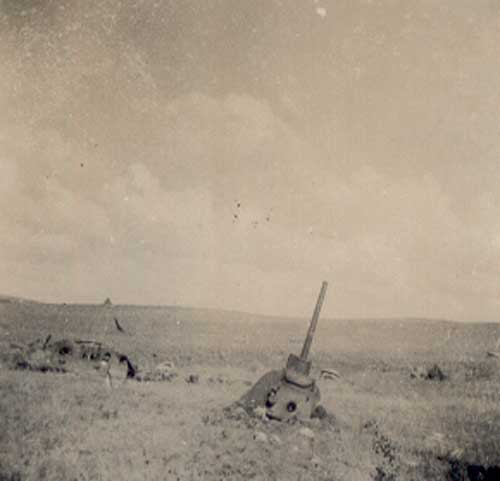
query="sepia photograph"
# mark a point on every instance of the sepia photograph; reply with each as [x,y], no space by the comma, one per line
[249,240]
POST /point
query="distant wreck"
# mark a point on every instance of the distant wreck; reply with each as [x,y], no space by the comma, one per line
[289,393]
[63,355]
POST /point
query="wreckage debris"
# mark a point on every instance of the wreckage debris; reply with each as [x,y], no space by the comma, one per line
[436,374]
[329,374]
[117,371]
[165,371]
[131,369]
[154,376]
[165,366]
[118,326]
[193,379]
[64,347]
[39,367]
[432,374]
[61,355]
[47,340]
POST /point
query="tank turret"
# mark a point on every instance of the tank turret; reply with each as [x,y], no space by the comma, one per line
[291,392]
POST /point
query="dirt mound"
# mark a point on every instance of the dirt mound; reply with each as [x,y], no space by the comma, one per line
[232,444]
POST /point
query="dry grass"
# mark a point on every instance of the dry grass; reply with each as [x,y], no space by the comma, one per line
[388,426]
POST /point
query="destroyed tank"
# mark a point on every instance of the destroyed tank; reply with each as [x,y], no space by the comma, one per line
[289,393]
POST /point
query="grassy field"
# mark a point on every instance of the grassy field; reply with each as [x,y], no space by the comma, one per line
[386,425]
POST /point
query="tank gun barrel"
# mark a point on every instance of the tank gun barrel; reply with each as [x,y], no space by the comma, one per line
[314,322]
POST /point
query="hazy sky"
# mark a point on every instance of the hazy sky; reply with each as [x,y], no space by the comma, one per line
[235,153]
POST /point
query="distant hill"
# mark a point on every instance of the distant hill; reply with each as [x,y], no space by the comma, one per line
[16,300]
[172,329]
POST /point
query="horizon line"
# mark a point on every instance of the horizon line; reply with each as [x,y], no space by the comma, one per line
[394,318]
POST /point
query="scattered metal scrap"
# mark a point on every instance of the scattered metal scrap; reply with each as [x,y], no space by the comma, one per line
[330,374]
[433,373]
[118,326]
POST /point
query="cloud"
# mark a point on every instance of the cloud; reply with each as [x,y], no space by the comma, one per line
[321,11]
[71,212]
[232,204]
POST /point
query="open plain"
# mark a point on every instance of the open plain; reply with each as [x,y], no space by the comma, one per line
[387,419]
